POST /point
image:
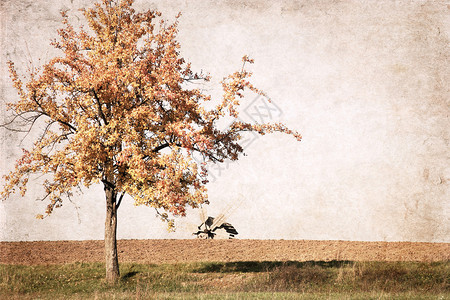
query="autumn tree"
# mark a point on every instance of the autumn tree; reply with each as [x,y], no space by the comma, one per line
[119,111]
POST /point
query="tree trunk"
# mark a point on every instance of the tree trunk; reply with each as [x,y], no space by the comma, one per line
[111,258]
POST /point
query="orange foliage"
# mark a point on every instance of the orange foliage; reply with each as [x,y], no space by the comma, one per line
[118,112]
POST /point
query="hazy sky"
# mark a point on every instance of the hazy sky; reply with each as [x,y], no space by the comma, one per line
[366,83]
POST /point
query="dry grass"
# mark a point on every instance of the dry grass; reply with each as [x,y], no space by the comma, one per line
[243,280]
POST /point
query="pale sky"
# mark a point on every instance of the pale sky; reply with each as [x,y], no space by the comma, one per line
[366,83]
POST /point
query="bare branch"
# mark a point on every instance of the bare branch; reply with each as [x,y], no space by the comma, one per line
[120,200]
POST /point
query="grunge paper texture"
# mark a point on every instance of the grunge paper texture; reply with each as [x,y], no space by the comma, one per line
[365,82]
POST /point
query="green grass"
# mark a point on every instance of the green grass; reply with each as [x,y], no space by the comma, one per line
[234,280]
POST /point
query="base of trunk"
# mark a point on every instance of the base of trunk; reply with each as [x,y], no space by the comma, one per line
[111,257]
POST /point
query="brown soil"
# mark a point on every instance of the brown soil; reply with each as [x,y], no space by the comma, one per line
[168,251]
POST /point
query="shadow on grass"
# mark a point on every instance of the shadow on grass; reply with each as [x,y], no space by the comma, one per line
[129,275]
[264,266]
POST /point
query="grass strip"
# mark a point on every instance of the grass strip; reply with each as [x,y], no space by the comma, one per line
[233,280]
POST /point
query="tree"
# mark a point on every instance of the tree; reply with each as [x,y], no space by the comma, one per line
[119,111]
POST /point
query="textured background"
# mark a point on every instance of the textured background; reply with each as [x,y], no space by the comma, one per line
[366,83]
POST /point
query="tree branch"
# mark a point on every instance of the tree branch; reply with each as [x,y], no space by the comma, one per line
[99,107]
[120,200]
[160,147]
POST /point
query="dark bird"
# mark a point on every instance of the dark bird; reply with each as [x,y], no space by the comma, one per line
[212,226]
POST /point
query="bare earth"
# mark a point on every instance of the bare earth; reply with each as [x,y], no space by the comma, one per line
[169,251]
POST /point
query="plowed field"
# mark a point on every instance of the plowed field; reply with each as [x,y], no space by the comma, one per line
[169,251]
